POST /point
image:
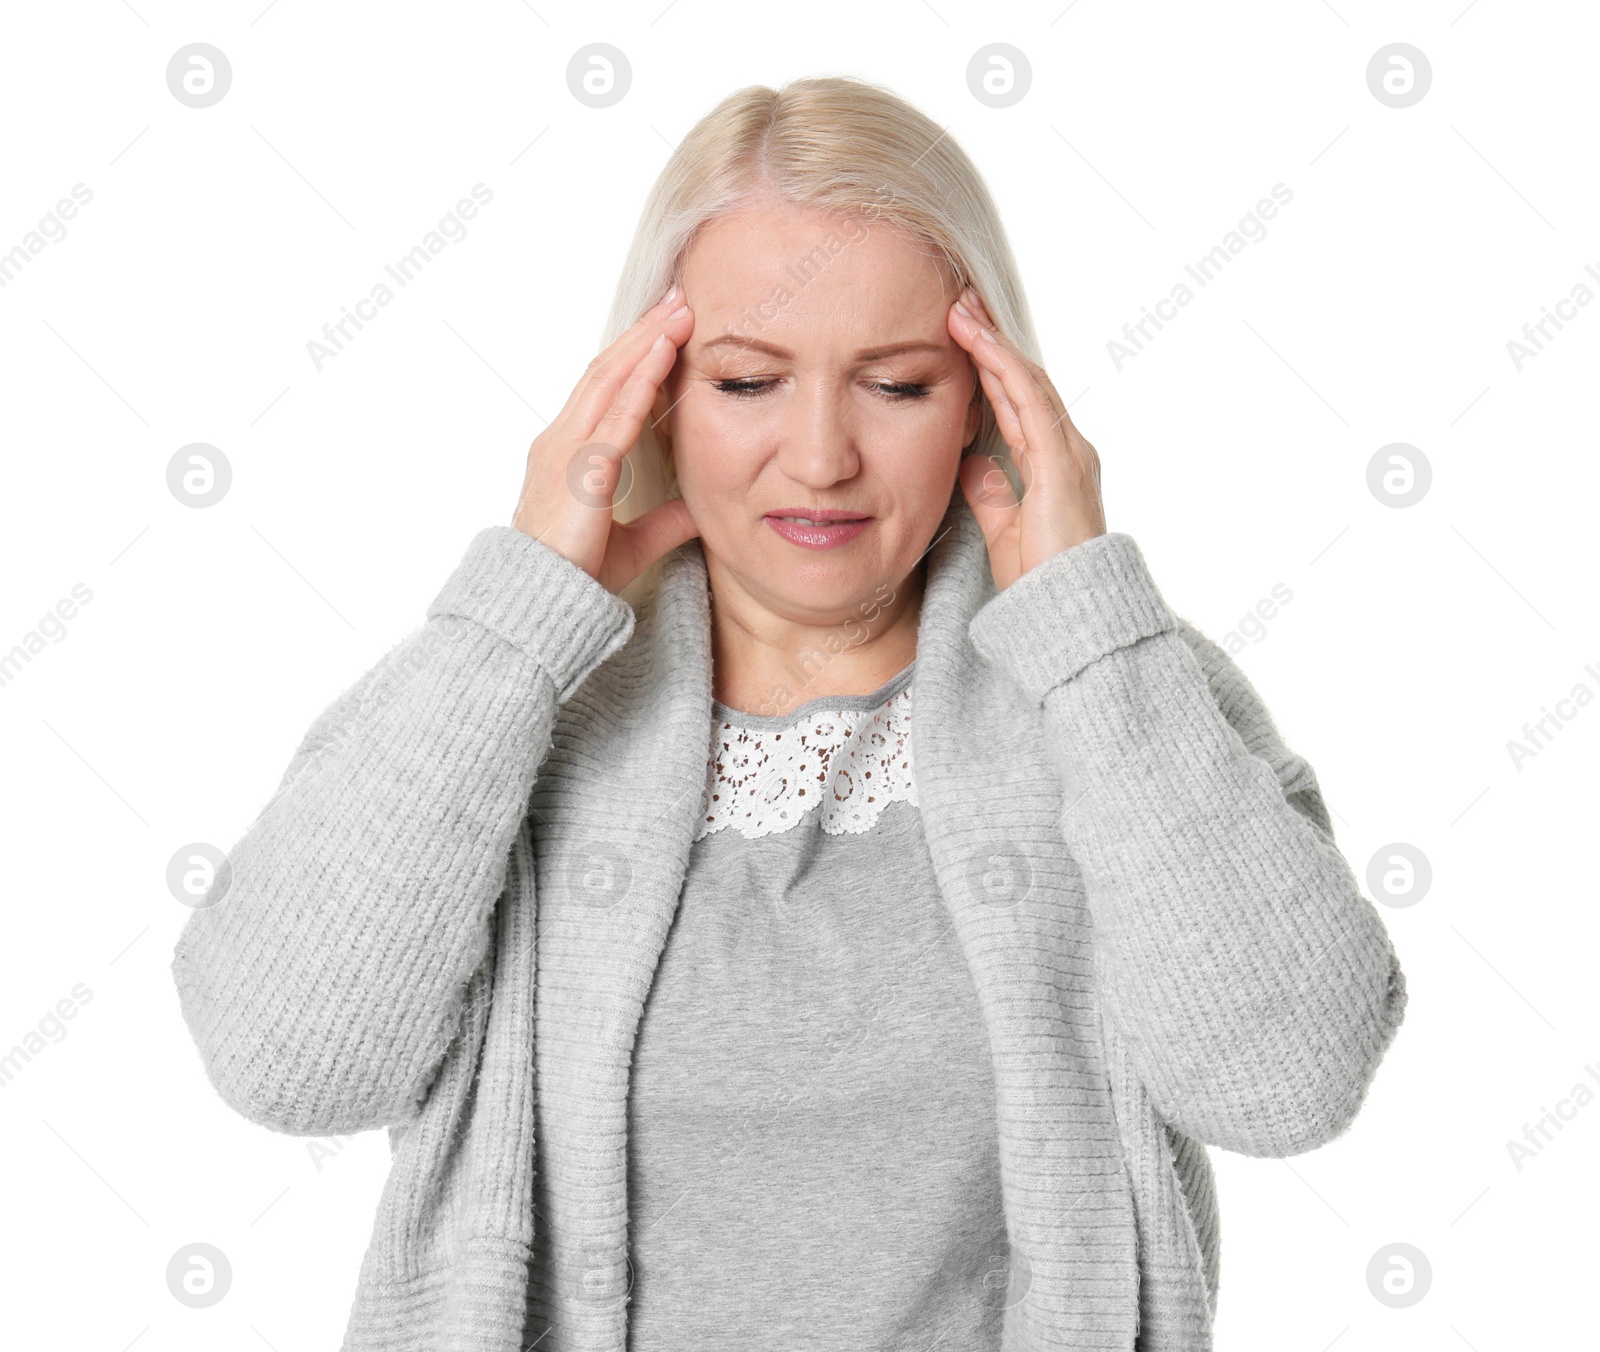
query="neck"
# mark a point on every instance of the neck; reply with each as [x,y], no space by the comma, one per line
[765,663]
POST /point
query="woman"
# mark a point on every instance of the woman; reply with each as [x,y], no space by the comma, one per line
[856,937]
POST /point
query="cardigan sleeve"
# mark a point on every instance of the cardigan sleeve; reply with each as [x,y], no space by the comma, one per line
[323,975]
[1257,988]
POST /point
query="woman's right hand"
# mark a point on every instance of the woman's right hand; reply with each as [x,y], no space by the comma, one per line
[575,464]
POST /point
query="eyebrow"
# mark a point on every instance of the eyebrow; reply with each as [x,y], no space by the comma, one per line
[865,354]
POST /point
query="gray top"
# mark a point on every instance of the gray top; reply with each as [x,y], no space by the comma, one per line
[813,1151]
[447,919]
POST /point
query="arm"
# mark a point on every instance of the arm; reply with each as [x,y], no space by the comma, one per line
[325,984]
[1256,987]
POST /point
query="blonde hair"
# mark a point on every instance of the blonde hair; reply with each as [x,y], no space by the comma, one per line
[842,145]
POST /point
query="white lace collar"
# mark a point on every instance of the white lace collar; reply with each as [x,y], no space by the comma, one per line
[764,776]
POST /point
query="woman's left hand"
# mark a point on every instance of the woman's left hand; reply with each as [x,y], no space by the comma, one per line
[1059,470]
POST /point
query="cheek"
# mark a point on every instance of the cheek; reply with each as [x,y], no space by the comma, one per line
[704,417]
[711,441]
[931,426]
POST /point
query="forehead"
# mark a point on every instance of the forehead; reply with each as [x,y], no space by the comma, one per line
[788,272]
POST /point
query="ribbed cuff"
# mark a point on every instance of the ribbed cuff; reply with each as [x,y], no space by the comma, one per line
[1069,611]
[537,598]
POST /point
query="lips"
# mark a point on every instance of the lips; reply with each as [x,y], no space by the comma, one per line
[831,529]
[817,515]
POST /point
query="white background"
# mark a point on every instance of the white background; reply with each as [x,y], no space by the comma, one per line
[1378,309]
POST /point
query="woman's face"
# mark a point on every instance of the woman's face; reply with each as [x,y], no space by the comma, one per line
[820,374]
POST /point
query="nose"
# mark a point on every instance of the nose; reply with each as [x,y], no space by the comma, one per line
[819,445]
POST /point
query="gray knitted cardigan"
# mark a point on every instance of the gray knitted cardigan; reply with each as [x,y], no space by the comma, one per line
[475,855]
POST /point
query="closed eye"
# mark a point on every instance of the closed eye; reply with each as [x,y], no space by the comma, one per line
[751,388]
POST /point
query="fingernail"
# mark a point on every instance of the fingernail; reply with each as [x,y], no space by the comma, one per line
[678,313]
[963,309]
[671,295]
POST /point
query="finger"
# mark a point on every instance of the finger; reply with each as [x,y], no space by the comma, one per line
[967,332]
[973,302]
[987,485]
[1034,370]
[620,423]
[1081,465]
[635,545]
[1035,414]
[1005,416]
[1009,426]
[606,374]
[644,328]
[989,493]
[1004,381]
[970,331]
